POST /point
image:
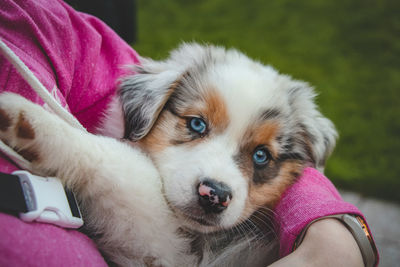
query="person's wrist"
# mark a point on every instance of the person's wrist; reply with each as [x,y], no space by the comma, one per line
[328,242]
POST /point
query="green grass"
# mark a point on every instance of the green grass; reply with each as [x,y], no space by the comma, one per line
[349,50]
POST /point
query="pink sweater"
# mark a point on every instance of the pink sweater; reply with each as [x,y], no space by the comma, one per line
[78,58]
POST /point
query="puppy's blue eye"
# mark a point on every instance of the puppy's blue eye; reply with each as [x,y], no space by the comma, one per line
[261,156]
[197,125]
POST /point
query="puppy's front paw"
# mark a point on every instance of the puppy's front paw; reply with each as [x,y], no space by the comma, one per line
[17,118]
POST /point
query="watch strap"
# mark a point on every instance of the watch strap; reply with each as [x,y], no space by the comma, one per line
[358,228]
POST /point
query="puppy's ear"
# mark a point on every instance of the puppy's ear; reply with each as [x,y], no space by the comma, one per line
[314,133]
[144,94]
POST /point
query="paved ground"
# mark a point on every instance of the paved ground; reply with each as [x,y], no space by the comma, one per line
[384,220]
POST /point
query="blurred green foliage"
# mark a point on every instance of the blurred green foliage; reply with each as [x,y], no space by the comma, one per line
[349,50]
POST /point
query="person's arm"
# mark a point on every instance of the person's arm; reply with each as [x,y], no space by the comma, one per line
[335,231]
[326,243]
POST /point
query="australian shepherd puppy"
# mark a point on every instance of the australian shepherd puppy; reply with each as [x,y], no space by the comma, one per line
[210,140]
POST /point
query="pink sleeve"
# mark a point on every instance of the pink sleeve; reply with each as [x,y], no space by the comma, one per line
[313,196]
[76,56]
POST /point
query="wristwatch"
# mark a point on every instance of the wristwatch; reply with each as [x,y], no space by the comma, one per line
[358,228]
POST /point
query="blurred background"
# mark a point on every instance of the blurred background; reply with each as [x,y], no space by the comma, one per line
[348,50]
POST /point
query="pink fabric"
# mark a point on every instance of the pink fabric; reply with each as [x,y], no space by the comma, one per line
[36,244]
[313,196]
[78,58]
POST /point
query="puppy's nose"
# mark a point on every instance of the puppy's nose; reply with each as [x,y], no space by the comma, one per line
[214,196]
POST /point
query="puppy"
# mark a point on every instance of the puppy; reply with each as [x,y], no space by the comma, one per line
[210,141]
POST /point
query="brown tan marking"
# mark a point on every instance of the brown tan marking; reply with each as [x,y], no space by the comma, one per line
[24,128]
[268,194]
[283,174]
[5,120]
[264,134]
[211,107]
[171,129]
[29,155]
[215,111]
[160,135]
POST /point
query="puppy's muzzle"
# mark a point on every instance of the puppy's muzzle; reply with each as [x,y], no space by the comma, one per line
[214,197]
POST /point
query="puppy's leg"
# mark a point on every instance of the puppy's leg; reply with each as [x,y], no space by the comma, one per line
[118,186]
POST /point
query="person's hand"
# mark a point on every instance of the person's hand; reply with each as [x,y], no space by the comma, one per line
[327,243]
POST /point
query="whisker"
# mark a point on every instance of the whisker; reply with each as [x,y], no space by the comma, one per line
[258,235]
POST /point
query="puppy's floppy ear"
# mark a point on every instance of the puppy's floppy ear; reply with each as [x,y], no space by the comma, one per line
[316,134]
[144,94]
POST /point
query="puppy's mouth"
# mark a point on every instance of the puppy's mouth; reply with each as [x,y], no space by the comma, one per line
[194,217]
[201,221]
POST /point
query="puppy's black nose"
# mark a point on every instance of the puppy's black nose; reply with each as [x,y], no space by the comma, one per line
[214,196]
